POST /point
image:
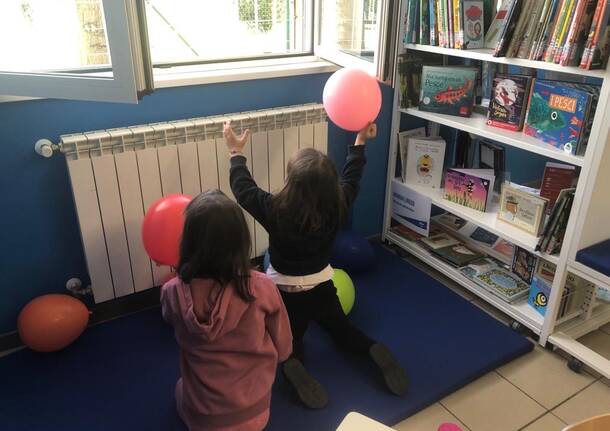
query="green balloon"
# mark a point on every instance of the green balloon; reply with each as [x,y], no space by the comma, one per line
[345,290]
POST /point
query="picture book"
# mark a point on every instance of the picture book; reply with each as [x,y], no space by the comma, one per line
[593,90]
[439,241]
[505,249]
[405,232]
[508,101]
[403,146]
[537,10]
[574,50]
[424,22]
[553,219]
[450,221]
[457,255]
[480,266]
[474,25]
[492,156]
[518,34]
[523,210]
[556,114]
[425,159]
[503,284]
[557,176]
[524,264]
[509,29]
[538,297]
[484,237]
[471,188]
[447,90]
[498,24]
[546,270]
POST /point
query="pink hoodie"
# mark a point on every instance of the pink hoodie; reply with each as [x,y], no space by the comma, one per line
[227,361]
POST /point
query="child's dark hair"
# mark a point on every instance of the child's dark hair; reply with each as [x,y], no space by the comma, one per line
[312,196]
[216,242]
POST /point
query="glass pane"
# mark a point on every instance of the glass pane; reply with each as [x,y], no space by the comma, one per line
[52,36]
[350,26]
[192,30]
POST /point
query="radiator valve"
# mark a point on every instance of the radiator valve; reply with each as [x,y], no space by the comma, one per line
[45,148]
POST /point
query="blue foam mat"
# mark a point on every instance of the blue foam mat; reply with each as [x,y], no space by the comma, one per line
[120,375]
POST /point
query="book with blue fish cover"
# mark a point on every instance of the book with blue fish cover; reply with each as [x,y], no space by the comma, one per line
[557,114]
[447,90]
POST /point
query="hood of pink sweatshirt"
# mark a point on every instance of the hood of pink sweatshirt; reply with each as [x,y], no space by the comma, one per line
[223,309]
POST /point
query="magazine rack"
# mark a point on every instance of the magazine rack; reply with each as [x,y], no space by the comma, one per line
[589,220]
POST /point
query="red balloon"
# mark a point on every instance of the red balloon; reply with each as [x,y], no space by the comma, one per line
[352,99]
[162,229]
[51,322]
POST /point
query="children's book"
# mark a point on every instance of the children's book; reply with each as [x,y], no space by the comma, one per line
[557,176]
[556,114]
[448,90]
[484,237]
[524,264]
[480,266]
[524,18]
[534,22]
[553,219]
[508,101]
[523,210]
[492,156]
[457,255]
[509,29]
[474,25]
[439,240]
[503,284]
[498,25]
[450,221]
[425,159]
[504,249]
[471,188]
[593,90]
[539,294]
[574,51]
[403,145]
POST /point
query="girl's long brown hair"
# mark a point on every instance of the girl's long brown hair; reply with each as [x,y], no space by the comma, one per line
[312,198]
[216,243]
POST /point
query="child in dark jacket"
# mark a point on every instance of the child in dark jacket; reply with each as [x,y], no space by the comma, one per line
[302,221]
[229,322]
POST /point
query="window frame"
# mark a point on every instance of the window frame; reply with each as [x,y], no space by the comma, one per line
[121,87]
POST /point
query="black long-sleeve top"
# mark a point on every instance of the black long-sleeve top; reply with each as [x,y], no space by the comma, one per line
[291,252]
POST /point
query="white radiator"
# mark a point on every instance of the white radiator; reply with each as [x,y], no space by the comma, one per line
[117,174]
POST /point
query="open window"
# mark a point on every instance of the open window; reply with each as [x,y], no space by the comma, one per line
[358,33]
[74,49]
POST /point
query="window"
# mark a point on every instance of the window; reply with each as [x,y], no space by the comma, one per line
[48,45]
[106,49]
[186,31]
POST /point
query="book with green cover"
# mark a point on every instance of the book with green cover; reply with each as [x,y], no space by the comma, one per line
[448,90]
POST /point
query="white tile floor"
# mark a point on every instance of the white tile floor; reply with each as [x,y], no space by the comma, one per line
[536,392]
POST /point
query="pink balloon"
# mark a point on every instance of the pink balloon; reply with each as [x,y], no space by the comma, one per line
[352,99]
[447,426]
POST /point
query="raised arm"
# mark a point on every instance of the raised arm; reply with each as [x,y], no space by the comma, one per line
[251,197]
[354,164]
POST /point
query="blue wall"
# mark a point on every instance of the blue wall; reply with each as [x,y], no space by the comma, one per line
[41,247]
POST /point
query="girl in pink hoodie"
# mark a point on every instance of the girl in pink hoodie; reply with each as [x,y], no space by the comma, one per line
[229,321]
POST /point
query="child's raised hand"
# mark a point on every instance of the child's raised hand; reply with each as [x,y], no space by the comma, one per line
[235,143]
[369,132]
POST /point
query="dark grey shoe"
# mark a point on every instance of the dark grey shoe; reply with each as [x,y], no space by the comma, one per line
[394,375]
[310,392]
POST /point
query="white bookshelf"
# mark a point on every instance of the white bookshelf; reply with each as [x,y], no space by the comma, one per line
[487,220]
[486,55]
[589,220]
[477,125]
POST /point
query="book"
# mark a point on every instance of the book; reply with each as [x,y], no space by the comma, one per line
[539,294]
[451,221]
[473,19]
[403,147]
[562,54]
[498,24]
[599,22]
[529,33]
[406,233]
[424,162]
[504,248]
[546,30]
[519,32]
[433,23]
[576,48]
[558,231]
[509,29]
[524,264]
[450,30]
[483,237]
[471,188]
[560,27]
[551,222]
[439,240]
[507,104]
[594,91]
[557,176]
[480,266]
[492,156]
[503,284]
[523,210]
[556,114]
[598,56]
[424,22]
[447,90]
[457,255]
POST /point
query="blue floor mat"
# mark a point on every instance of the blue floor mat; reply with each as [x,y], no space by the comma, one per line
[120,375]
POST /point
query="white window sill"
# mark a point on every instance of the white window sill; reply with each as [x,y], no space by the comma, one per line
[200,74]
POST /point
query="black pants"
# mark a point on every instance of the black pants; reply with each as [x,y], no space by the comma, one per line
[322,305]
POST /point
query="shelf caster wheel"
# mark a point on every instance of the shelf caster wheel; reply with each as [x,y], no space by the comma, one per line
[517,327]
[575,365]
[549,346]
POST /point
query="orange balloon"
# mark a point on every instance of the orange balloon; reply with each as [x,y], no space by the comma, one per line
[51,322]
